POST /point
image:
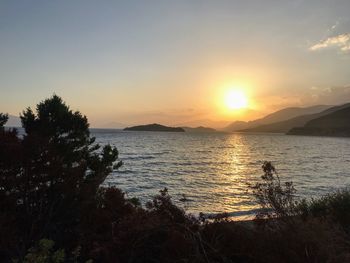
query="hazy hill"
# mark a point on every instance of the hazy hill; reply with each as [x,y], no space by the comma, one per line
[13,121]
[199,129]
[332,124]
[154,127]
[202,122]
[299,121]
[277,116]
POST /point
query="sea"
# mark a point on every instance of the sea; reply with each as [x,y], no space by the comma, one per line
[212,173]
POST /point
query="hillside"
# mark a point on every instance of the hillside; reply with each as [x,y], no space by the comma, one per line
[277,116]
[299,121]
[154,127]
[333,124]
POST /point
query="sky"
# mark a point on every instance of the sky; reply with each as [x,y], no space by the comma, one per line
[172,62]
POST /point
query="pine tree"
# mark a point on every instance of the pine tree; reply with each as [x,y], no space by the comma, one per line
[51,174]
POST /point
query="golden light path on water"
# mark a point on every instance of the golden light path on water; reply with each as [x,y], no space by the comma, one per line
[233,155]
[213,170]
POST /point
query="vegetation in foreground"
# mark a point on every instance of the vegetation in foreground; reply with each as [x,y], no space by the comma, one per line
[53,208]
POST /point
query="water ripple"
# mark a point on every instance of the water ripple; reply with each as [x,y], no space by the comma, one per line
[213,170]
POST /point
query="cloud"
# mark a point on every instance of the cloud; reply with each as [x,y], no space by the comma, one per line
[341,41]
[337,23]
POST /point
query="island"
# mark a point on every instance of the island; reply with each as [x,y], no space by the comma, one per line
[154,127]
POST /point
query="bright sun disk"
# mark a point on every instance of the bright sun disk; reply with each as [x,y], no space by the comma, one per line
[236,99]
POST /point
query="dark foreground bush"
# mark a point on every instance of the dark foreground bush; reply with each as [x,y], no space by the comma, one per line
[53,209]
[334,207]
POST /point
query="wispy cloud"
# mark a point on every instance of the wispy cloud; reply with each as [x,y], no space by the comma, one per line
[341,41]
[337,23]
[327,95]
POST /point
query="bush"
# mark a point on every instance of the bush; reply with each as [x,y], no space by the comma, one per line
[334,206]
[43,253]
[275,199]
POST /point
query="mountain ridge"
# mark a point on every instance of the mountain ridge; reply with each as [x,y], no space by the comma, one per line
[299,121]
[336,123]
[280,115]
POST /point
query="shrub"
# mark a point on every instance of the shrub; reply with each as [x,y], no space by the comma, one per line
[334,206]
[43,253]
[275,199]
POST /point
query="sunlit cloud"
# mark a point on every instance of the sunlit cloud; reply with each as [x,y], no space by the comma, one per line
[341,41]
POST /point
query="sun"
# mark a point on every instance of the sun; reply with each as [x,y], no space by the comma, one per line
[236,99]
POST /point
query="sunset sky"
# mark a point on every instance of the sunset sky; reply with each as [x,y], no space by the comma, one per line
[174,62]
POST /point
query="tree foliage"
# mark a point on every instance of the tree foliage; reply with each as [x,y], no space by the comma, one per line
[50,175]
[3,119]
[43,253]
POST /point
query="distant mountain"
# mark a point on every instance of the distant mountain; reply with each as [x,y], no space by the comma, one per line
[154,127]
[299,121]
[333,124]
[13,121]
[202,122]
[277,116]
[199,129]
[238,125]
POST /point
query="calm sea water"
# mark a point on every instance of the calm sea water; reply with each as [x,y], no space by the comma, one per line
[213,169]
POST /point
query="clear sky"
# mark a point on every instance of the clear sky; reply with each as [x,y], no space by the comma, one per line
[173,61]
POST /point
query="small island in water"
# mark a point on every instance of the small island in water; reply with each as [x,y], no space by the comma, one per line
[154,127]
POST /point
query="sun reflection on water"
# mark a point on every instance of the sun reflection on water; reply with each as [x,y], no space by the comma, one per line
[232,180]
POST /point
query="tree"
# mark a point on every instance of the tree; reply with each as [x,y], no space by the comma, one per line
[3,119]
[57,172]
[10,167]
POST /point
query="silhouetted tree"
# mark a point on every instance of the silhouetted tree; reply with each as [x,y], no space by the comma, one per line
[3,119]
[10,167]
[50,175]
